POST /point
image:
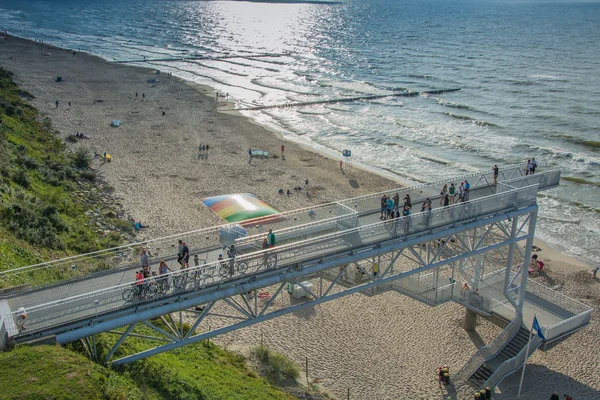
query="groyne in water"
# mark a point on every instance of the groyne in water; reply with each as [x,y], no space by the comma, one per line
[350,99]
[201,58]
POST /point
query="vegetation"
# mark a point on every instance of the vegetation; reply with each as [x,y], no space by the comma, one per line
[197,371]
[277,366]
[45,193]
[39,215]
[52,372]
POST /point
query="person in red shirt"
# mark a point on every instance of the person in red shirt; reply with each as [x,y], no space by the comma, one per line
[139,281]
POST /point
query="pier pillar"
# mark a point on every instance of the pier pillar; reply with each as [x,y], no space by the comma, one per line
[470,320]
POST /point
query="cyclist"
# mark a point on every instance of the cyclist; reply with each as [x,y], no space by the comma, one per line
[139,283]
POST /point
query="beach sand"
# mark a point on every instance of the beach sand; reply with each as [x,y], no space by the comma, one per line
[384,347]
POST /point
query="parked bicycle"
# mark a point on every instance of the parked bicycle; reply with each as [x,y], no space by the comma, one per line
[146,290]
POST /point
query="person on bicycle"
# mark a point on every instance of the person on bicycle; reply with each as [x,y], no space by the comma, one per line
[139,282]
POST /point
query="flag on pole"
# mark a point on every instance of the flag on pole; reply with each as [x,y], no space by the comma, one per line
[538,328]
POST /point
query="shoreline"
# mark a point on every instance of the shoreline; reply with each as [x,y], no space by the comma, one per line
[160,180]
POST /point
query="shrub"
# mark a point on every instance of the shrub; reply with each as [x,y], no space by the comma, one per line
[20,177]
[278,367]
[88,175]
[81,158]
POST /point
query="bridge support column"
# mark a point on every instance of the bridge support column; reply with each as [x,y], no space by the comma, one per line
[470,320]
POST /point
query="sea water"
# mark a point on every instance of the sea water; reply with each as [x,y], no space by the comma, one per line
[529,74]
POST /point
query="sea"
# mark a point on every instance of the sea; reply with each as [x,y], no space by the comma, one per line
[529,74]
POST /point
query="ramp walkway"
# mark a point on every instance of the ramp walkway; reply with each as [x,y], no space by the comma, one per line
[344,242]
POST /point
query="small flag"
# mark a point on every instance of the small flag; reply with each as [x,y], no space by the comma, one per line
[538,328]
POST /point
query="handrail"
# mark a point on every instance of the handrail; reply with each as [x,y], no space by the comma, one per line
[554,331]
[292,253]
[119,253]
[489,351]
[511,365]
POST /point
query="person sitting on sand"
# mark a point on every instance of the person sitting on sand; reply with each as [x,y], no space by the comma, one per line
[535,265]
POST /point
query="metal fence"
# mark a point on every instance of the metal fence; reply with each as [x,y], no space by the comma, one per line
[49,307]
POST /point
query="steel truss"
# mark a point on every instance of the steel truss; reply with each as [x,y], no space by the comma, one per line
[424,267]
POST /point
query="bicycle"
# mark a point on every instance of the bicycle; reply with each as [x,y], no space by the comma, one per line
[145,290]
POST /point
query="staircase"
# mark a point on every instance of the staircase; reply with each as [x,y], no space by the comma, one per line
[510,351]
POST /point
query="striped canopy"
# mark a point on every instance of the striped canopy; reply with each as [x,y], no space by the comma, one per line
[238,207]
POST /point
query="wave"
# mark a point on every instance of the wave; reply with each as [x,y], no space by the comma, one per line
[467,118]
[447,103]
[215,68]
[282,85]
[313,112]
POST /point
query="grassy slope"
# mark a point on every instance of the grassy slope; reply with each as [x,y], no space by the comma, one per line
[39,216]
[197,371]
[52,372]
[40,219]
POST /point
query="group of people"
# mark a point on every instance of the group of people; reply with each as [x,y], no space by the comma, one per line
[80,135]
[202,148]
[296,189]
[530,167]
[390,207]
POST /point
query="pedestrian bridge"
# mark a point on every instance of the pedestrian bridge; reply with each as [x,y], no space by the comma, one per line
[322,253]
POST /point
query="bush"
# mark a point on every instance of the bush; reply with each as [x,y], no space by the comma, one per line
[81,158]
[20,177]
[278,367]
[88,175]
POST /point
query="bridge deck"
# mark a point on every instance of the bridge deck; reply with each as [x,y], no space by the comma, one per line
[76,299]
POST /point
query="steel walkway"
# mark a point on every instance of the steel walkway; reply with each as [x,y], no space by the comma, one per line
[328,251]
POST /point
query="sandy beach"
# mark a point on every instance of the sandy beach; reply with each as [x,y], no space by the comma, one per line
[384,347]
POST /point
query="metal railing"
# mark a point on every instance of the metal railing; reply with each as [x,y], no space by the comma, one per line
[199,242]
[545,179]
[510,366]
[421,191]
[48,312]
[206,239]
[581,313]
[489,351]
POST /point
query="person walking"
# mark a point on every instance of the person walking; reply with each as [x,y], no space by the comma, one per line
[533,166]
[231,254]
[185,251]
[467,190]
[461,192]
[527,167]
[383,206]
[145,261]
[396,201]
[407,201]
[282,150]
[495,170]
[271,238]
[452,192]
[180,253]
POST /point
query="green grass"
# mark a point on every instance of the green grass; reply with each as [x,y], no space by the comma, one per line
[40,218]
[197,371]
[52,372]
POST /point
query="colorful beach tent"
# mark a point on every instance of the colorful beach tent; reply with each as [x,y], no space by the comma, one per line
[238,207]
